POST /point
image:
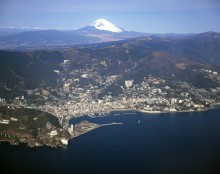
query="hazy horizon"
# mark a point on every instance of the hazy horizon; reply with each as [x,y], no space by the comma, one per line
[149,16]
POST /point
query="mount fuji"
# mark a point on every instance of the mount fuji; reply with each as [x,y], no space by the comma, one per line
[106,31]
[103,25]
[98,31]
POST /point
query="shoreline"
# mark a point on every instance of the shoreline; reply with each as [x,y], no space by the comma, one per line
[138,111]
[109,112]
[96,127]
[182,111]
[120,110]
[10,142]
[148,112]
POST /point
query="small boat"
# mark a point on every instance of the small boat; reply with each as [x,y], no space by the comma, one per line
[139,121]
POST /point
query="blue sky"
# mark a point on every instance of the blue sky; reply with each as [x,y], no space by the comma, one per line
[152,16]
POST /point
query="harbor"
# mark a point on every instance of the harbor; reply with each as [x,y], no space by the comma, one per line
[85,127]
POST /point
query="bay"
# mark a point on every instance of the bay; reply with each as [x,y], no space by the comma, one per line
[144,143]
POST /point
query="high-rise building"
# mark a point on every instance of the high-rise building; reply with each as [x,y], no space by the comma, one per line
[128,83]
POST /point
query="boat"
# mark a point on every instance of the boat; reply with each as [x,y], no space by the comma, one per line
[139,121]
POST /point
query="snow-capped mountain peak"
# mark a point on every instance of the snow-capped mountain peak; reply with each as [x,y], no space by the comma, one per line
[102,24]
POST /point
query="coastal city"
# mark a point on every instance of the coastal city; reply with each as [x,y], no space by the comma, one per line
[110,87]
[76,98]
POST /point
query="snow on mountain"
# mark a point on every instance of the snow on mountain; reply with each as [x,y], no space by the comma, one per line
[102,24]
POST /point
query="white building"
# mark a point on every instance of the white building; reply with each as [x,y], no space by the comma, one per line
[128,83]
[66,61]
[13,119]
[173,100]
[56,71]
[70,129]
[64,141]
[53,133]
[84,76]
[4,121]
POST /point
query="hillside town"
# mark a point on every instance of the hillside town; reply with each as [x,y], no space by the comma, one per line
[153,95]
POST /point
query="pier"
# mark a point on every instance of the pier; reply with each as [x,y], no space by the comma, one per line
[82,129]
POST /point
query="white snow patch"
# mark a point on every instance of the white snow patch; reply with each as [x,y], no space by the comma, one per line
[102,24]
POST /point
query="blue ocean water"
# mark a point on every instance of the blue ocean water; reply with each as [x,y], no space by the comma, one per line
[145,143]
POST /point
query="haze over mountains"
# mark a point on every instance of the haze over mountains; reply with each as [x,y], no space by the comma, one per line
[100,30]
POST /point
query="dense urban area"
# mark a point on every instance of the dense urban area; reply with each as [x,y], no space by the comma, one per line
[76,98]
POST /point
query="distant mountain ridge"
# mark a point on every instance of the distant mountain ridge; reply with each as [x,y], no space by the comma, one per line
[99,31]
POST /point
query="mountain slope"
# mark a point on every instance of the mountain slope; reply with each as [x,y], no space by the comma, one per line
[43,38]
[136,59]
[19,71]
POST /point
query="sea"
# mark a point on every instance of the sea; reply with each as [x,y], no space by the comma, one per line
[163,143]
